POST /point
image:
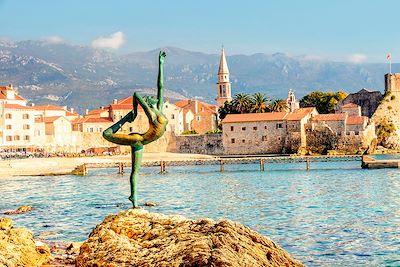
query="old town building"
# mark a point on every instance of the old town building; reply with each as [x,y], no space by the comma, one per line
[198,116]
[289,132]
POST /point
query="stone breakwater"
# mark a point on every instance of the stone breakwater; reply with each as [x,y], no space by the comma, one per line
[18,248]
[138,238]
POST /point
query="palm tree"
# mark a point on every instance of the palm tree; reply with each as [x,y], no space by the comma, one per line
[259,103]
[242,103]
[278,105]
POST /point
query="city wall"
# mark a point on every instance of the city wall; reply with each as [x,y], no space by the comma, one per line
[197,144]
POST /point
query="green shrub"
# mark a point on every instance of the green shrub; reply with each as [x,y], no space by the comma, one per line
[384,129]
[393,97]
[214,132]
[189,132]
[389,107]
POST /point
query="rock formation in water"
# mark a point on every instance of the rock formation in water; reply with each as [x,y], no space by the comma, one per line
[18,248]
[138,238]
[21,209]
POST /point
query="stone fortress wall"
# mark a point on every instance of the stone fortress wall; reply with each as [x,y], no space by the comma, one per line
[389,109]
[197,144]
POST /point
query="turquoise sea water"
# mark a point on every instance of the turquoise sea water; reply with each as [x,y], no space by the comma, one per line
[336,214]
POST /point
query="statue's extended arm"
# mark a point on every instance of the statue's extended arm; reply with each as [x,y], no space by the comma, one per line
[160,81]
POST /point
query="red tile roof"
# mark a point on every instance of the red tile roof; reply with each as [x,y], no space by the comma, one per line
[304,110]
[182,103]
[49,107]
[254,117]
[92,120]
[17,97]
[16,106]
[330,117]
[201,106]
[69,113]
[299,114]
[350,105]
[96,111]
[356,120]
[47,119]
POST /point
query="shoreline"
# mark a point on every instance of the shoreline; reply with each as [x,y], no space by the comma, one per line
[55,166]
[63,165]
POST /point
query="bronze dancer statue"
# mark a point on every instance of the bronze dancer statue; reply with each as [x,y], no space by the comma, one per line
[157,124]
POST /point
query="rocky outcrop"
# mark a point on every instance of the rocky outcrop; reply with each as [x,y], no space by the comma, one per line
[138,238]
[18,248]
[387,120]
[366,99]
[21,209]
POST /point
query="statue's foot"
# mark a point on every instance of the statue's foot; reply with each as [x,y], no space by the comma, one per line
[134,202]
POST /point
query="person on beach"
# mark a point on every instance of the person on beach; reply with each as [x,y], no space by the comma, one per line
[157,125]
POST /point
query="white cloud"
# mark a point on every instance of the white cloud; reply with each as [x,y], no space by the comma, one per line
[114,41]
[54,40]
[357,58]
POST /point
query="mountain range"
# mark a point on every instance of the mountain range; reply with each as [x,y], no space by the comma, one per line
[83,77]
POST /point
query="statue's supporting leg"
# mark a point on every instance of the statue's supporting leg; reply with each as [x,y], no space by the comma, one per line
[137,152]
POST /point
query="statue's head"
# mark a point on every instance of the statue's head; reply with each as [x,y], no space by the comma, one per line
[151,101]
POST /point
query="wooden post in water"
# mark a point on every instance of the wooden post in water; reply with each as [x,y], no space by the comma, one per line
[221,165]
[262,165]
[308,163]
[120,168]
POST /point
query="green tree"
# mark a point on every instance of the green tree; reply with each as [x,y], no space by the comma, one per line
[259,103]
[323,102]
[226,109]
[242,103]
[278,105]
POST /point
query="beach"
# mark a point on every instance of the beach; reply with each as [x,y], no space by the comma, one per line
[62,165]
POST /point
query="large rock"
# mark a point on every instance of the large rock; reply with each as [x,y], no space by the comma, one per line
[18,248]
[138,238]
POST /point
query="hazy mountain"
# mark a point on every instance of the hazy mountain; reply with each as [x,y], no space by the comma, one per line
[83,77]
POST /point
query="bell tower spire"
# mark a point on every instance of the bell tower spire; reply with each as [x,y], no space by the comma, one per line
[223,84]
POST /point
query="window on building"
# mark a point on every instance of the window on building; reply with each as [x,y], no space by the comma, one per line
[265,127]
[233,140]
[166,106]
[27,138]
[100,129]
[8,116]
[9,138]
[172,116]
[264,138]
[8,127]
[198,118]
[25,116]
[243,141]
[243,128]
[26,127]
[279,125]
[255,128]
[279,138]
[231,128]
[356,132]
[91,129]
[131,129]
[16,137]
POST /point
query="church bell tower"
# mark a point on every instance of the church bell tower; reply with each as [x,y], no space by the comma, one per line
[223,84]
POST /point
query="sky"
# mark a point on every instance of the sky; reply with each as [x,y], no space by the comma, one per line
[340,30]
